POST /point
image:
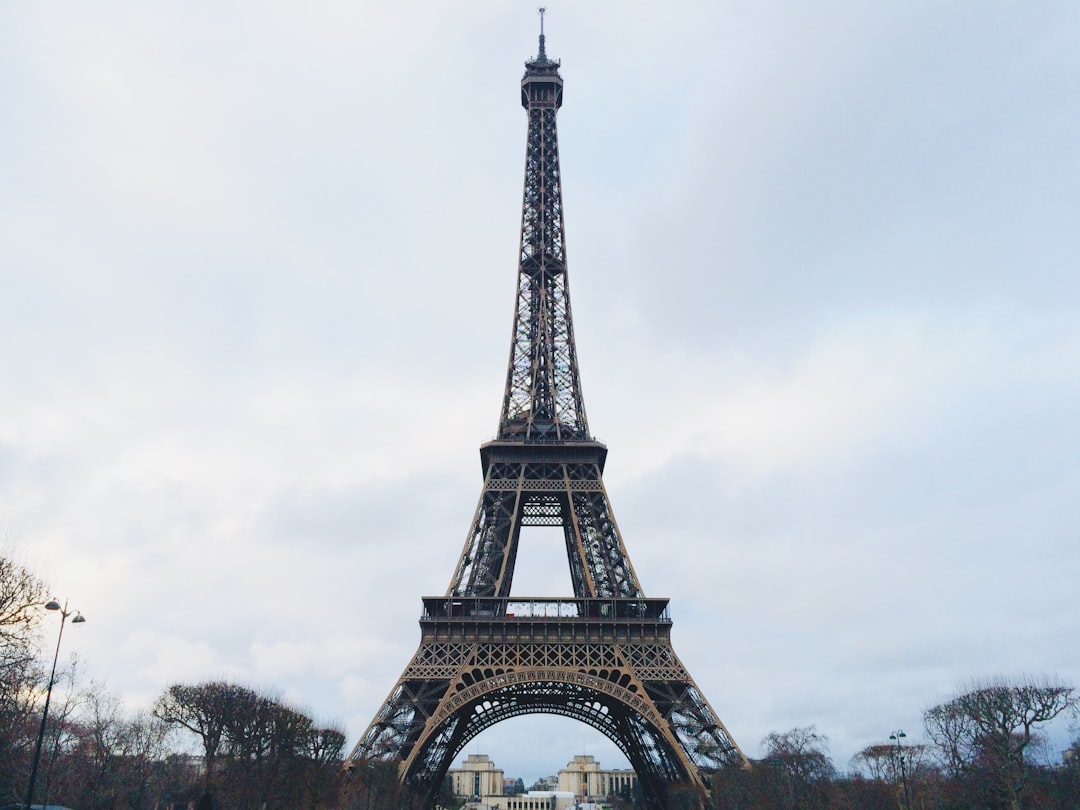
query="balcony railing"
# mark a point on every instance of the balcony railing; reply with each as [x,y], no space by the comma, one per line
[518,608]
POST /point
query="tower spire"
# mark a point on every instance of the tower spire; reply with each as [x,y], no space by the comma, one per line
[542,57]
[542,401]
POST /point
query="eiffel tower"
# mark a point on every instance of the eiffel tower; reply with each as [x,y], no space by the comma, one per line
[604,656]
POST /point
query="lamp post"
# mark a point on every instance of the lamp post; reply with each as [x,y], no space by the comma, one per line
[78,618]
[898,735]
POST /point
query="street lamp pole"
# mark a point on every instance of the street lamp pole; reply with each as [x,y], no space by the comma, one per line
[78,618]
[898,736]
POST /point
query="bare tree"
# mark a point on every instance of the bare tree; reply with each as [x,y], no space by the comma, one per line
[101,756]
[66,703]
[986,733]
[800,761]
[205,710]
[903,767]
[321,750]
[879,762]
[259,752]
[20,594]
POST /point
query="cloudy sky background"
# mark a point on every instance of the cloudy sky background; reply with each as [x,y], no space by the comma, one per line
[256,284]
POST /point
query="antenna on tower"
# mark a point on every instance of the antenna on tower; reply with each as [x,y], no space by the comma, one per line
[542,56]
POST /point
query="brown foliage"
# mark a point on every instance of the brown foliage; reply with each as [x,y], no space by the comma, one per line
[984,734]
[257,751]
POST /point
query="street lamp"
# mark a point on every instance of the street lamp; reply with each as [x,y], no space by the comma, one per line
[78,618]
[898,736]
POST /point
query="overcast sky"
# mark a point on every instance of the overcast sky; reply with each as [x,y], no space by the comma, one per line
[258,266]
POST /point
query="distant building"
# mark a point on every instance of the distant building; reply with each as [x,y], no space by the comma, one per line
[580,783]
[477,778]
[533,800]
[584,778]
[545,784]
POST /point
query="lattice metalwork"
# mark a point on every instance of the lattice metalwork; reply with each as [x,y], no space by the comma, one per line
[486,566]
[551,493]
[543,401]
[603,657]
[601,545]
[639,695]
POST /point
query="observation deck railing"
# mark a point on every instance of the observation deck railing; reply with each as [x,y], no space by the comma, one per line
[526,608]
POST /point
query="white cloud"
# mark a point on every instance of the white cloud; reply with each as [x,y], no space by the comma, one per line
[258,278]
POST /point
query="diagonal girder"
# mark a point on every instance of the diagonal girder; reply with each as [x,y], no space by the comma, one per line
[550,489]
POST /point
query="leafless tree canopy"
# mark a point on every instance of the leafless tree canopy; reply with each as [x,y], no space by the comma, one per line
[800,758]
[991,728]
[878,762]
[257,750]
[21,594]
[883,761]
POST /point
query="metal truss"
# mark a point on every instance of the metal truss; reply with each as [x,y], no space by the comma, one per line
[545,491]
[603,657]
[543,401]
[611,666]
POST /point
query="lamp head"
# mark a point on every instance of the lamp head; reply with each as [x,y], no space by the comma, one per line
[52,604]
[78,618]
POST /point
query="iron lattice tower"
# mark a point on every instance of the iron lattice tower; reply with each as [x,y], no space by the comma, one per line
[603,657]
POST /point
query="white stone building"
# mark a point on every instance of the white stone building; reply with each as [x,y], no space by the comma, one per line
[586,780]
[477,778]
[581,782]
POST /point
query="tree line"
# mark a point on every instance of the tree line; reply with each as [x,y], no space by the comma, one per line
[217,744]
[984,749]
